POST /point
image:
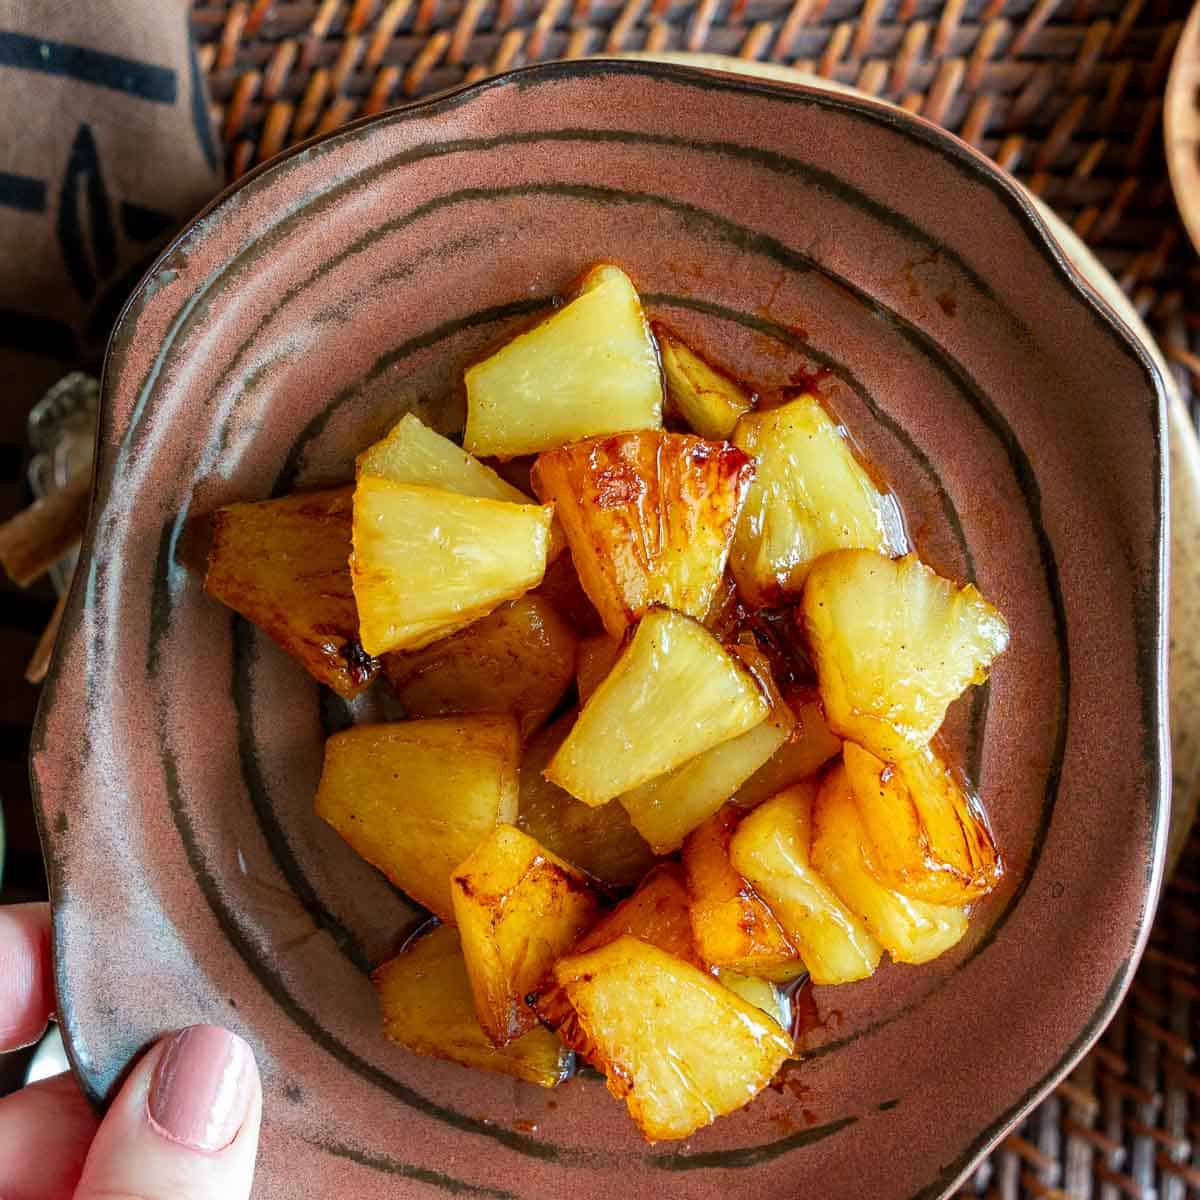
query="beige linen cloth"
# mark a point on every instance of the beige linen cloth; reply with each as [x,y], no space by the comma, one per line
[105,150]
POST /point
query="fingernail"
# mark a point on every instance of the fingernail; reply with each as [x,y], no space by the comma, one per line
[202,1088]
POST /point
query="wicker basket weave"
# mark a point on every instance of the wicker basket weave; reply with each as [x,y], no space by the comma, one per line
[1066,94]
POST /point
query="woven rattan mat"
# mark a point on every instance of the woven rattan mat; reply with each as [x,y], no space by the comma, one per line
[1066,94]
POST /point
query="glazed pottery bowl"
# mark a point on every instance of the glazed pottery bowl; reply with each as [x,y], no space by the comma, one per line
[794,235]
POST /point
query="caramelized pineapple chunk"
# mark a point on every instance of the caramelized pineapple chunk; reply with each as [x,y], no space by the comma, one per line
[895,644]
[762,993]
[664,810]
[809,747]
[912,931]
[597,655]
[415,798]
[428,1008]
[518,659]
[429,562]
[770,850]
[676,1046]
[649,518]
[518,908]
[809,496]
[414,453]
[928,835]
[589,369]
[674,693]
[601,842]
[285,566]
[709,402]
[733,927]
[656,913]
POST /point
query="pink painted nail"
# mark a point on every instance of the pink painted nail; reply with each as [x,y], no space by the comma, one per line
[202,1088]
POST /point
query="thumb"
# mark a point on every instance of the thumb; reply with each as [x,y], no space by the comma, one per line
[184,1126]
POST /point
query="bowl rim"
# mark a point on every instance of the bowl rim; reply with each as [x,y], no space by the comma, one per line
[1042,240]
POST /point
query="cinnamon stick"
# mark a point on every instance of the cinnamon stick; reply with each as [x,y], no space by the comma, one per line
[34,540]
[39,664]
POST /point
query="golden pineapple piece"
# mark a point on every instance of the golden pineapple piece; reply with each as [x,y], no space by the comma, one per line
[664,810]
[601,842]
[895,644]
[562,588]
[414,798]
[414,453]
[656,913]
[518,659]
[597,656]
[428,1008]
[676,1046]
[518,909]
[734,929]
[809,747]
[649,518]
[674,693]
[285,566]
[810,495]
[912,931]
[427,562]
[927,834]
[589,369]
[708,401]
[770,850]
[762,993]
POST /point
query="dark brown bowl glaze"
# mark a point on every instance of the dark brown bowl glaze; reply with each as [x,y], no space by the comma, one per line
[790,233]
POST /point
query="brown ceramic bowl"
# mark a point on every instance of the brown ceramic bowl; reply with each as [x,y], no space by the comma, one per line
[789,233]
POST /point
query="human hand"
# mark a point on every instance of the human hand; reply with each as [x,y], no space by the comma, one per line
[183,1127]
